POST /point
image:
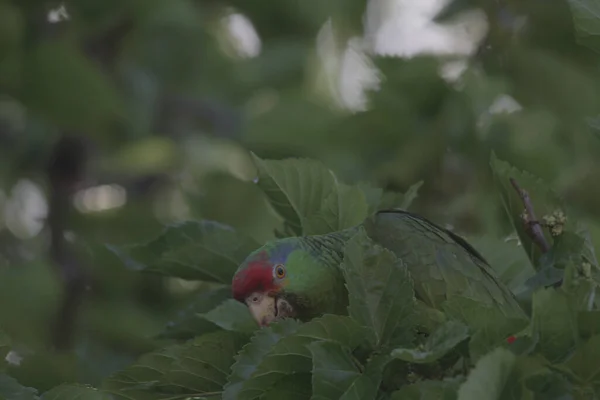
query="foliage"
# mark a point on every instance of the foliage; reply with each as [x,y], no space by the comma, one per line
[144,156]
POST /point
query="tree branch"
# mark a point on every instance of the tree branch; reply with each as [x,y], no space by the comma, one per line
[532,225]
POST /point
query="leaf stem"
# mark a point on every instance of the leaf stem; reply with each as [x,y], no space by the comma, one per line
[532,225]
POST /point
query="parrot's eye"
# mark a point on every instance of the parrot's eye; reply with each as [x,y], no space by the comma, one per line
[279,271]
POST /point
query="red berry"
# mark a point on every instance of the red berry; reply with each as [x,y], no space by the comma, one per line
[511,339]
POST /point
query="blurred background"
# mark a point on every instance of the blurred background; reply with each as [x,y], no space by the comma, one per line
[120,116]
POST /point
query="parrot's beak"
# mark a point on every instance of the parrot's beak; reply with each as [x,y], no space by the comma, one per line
[268,308]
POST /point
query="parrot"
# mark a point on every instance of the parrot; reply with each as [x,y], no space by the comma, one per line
[301,276]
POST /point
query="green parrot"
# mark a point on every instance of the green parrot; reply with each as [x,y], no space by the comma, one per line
[301,277]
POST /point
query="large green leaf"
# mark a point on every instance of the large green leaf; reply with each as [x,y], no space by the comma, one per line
[308,196]
[292,387]
[75,392]
[194,250]
[443,339]
[380,290]
[290,355]
[493,378]
[543,199]
[554,323]
[195,368]
[254,352]
[10,389]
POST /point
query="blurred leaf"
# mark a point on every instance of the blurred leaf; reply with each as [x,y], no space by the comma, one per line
[232,315]
[493,378]
[309,198]
[188,321]
[551,386]
[443,340]
[10,389]
[75,392]
[194,250]
[291,355]
[57,76]
[192,369]
[544,202]
[399,200]
[428,390]
[586,16]
[380,290]
[555,323]
[253,353]
[5,345]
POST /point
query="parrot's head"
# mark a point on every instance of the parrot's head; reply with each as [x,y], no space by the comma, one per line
[283,279]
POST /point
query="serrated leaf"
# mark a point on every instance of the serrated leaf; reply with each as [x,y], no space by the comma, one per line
[345,207]
[291,355]
[194,250]
[334,370]
[292,387]
[443,339]
[232,315]
[555,323]
[68,391]
[192,369]
[189,323]
[309,198]
[429,390]
[493,378]
[380,291]
[543,199]
[10,389]
[254,352]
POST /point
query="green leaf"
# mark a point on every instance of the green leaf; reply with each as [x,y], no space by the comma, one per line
[344,208]
[189,321]
[69,391]
[493,378]
[308,196]
[543,199]
[232,315]
[197,367]
[428,390]
[334,370]
[586,17]
[254,352]
[292,387]
[5,346]
[443,339]
[291,355]
[380,291]
[57,76]
[583,367]
[194,250]
[10,389]
[555,323]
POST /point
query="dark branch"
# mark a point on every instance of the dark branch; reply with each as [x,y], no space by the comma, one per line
[532,225]
[65,171]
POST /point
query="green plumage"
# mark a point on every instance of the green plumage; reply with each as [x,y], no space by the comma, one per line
[441,264]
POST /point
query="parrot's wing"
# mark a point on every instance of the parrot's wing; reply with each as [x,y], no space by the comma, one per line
[441,263]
